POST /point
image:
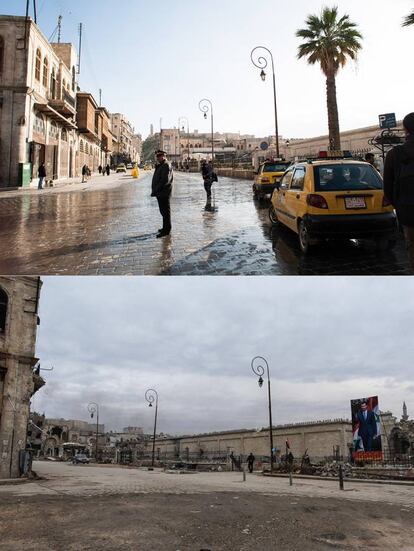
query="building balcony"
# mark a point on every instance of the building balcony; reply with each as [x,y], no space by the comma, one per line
[66,106]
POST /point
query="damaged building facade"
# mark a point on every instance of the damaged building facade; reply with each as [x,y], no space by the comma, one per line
[19,380]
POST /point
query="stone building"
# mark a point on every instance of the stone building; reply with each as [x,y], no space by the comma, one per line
[170,143]
[19,380]
[124,148]
[37,103]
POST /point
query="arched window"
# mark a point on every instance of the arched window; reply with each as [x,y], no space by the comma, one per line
[53,130]
[86,148]
[45,72]
[39,124]
[73,79]
[4,299]
[53,84]
[1,54]
[38,64]
[64,135]
[81,146]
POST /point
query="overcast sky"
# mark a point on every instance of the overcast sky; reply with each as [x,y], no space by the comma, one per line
[327,340]
[157,59]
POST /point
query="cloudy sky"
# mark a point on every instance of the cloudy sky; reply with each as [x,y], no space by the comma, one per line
[327,340]
[156,59]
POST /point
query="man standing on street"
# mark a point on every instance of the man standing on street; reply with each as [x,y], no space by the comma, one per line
[250,462]
[207,173]
[161,189]
[42,175]
[399,184]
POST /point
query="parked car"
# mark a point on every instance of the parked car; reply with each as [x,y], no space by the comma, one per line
[80,458]
[121,168]
[334,198]
[269,174]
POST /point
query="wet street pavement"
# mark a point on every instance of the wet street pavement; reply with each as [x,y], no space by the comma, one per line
[109,227]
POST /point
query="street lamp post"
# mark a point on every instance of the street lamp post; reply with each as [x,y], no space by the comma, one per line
[188,135]
[94,408]
[259,370]
[151,396]
[261,62]
[205,106]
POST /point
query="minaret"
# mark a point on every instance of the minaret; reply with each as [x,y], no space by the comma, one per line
[405,414]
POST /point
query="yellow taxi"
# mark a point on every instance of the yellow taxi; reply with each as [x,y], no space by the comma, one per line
[269,174]
[334,197]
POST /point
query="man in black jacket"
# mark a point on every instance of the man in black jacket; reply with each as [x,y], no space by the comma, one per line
[161,189]
[399,184]
[41,174]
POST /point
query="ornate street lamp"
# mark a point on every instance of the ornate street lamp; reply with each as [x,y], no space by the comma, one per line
[261,62]
[151,396]
[188,135]
[94,408]
[206,106]
[259,370]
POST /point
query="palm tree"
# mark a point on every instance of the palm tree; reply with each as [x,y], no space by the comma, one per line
[409,20]
[330,41]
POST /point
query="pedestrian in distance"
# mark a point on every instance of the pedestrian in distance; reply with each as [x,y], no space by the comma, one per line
[250,462]
[108,170]
[207,174]
[84,173]
[370,158]
[399,184]
[41,174]
[100,169]
[161,189]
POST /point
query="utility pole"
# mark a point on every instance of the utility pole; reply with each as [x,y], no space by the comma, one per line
[100,97]
[80,47]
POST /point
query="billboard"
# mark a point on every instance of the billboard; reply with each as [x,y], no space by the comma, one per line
[366,429]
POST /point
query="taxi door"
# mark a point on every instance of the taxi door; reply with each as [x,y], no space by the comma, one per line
[279,197]
[295,198]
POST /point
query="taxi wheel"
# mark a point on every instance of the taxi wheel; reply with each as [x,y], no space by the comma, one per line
[304,239]
[273,216]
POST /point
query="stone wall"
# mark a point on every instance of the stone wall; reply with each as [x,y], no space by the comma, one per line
[320,439]
[17,359]
[240,173]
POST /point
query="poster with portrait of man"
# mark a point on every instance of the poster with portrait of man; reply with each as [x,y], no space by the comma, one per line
[366,429]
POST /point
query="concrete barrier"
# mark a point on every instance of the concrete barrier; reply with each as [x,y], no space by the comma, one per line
[241,173]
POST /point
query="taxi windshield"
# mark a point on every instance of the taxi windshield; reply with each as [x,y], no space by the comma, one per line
[346,177]
[275,167]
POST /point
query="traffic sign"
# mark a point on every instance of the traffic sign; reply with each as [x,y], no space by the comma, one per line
[388,120]
[264,146]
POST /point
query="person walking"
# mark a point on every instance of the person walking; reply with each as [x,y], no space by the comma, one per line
[100,169]
[250,462]
[84,173]
[42,175]
[207,174]
[161,189]
[399,184]
[108,170]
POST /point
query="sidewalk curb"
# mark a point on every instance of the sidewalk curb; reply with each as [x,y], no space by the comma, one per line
[348,480]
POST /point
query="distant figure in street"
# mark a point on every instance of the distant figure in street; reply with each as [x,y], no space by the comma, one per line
[100,169]
[399,184]
[207,174]
[161,189]
[108,170]
[250,462]
[42,175]
[84,173]
[370,158]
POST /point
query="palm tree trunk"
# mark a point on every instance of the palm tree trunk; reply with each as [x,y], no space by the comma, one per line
[333,119]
